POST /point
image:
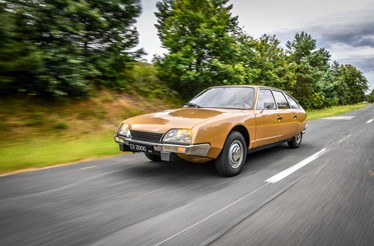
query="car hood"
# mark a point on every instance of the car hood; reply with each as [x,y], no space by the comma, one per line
[161,122]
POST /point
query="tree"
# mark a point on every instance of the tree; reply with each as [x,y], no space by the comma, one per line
[270,64]
[109,36]
[80,43]
[355,82]
[310,66]
[371,96]
[202,49]
[19,60]
[335,91]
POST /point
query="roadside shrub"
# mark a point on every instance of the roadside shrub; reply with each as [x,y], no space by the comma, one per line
[36,119]
[61,126]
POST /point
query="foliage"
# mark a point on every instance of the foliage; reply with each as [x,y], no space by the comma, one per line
[200,38]
[371,96]
[355,83]
[55,48]
[59,47]
[61,126]
[144,82]
[270,64]
[310,66]
[19,60]
[206,47]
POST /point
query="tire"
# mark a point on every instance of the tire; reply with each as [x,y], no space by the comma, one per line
[295,142]
[153,157]
[233,156]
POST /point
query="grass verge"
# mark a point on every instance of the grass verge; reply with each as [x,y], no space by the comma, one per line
[333,111]
[52,151]
[38,133]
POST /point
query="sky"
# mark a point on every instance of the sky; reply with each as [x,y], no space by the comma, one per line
[344,27]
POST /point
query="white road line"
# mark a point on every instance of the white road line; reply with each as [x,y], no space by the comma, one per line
[369,121]
[295,167]
[343,117]
[341,140]
[89,167]
[210,216]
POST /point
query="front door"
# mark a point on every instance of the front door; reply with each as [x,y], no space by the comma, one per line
[268,128]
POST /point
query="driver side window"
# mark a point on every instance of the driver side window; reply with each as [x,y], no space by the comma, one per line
[265,97]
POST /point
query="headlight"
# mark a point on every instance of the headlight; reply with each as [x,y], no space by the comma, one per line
[124,130]
[178,136]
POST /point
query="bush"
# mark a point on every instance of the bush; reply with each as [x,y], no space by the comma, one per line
[36,119]
[61,126]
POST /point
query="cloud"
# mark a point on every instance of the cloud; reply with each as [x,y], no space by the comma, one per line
[351,42]
[356,32]
[349,38]
[370,76]
[361,56]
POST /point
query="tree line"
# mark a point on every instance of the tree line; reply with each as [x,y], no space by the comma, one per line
[58,48]
[207,47]
[64,47]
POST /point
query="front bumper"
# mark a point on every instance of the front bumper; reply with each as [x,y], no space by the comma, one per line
[306,126]
[191,150]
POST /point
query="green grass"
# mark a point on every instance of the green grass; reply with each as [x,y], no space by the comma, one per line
[47,152]
[332,111]
[37,133]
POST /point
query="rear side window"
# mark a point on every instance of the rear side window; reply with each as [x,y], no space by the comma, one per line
[265,97]
[293,103]
[281,100]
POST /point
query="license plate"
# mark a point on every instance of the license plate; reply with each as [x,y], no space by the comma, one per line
[140,148]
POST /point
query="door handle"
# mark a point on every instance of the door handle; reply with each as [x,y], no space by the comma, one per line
[279,117]
[295,116]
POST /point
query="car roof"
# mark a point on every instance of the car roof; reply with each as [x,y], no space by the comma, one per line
[253,86]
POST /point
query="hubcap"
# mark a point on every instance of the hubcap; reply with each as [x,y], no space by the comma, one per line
[236,154]
[298,138]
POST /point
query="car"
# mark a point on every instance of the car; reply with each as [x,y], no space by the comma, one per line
[221,124]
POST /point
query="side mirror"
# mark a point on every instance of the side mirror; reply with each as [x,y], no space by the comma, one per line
[266,106]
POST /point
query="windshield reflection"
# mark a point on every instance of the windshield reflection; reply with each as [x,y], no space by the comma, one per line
[224,97]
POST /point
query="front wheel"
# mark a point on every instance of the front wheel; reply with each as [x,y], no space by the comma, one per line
[153,157]
[233,155]
[295,141]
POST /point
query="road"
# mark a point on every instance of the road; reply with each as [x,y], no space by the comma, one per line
[319,194]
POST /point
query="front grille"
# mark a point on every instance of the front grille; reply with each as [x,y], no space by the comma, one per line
[146,136]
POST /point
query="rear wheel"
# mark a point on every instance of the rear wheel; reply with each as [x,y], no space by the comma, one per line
[233,155]
[153,157]
[295,141]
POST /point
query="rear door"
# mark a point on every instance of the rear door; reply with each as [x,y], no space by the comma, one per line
[287,116]
[298,113]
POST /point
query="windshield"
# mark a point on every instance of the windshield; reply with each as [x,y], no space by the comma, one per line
[224,97]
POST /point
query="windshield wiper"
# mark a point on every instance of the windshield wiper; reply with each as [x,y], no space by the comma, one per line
[194,105]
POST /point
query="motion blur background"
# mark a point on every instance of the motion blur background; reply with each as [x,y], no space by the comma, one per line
[72,70]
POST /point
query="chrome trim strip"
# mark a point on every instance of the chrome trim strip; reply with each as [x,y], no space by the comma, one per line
[135,141]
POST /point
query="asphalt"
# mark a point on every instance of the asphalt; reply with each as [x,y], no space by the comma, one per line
[129,200]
